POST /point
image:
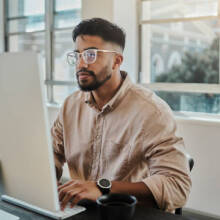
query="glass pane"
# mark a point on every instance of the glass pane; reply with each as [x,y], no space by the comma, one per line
[68,18]
[67,13]
[184,52]
[27,24]
[61,92]
[28,42]
[168,9]
[33,42]
[25,7]
[192,102]
[62,5]
[63,43]
[25,15]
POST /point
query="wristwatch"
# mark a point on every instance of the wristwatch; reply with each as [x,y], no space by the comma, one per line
[104,185]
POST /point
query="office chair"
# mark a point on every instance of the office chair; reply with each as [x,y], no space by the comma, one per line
[178,211]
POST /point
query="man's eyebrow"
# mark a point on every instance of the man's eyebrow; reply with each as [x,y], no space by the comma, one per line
[87,49]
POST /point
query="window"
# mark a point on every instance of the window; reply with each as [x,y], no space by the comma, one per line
[179,43]
[157,65]
[45,27]
[25,26]
[66,16]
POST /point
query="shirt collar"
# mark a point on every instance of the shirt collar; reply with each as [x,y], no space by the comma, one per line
[126,84]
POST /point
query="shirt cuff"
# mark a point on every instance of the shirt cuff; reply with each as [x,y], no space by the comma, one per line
[155,184]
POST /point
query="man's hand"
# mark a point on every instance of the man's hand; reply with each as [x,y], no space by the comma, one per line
[76,190]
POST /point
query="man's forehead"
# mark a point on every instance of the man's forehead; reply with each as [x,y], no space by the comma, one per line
[88,41]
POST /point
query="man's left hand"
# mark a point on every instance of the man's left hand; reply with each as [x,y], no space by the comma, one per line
[76,190]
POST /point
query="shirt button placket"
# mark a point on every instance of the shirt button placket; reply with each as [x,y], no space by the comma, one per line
[97,146]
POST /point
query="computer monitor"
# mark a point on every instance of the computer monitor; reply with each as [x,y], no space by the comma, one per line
[27,164]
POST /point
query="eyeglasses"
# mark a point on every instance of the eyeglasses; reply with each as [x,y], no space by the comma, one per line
[89,56]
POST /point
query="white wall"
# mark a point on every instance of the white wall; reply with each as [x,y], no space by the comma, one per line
[97,8]
[125,15]
[202,140]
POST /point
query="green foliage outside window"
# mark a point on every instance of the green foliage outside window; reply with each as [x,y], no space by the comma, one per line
[196,67]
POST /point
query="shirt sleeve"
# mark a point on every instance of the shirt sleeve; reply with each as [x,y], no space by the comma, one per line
[169,179]
[58,145]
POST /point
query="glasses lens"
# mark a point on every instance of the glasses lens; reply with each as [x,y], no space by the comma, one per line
[90,56]
[72,58]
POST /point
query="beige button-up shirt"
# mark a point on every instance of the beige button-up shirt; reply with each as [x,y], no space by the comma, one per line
[132,139]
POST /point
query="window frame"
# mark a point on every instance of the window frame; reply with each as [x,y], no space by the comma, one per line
[171,87]
[49,31]
[2,26]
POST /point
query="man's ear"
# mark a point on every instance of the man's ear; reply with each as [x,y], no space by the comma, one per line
[118,61]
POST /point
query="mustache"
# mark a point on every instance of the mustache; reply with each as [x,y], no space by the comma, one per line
[84,70]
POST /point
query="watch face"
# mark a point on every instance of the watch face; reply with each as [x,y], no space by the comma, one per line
[104,183]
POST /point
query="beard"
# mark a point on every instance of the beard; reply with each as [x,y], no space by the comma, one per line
[97,81]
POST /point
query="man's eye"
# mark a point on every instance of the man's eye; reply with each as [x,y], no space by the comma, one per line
[75,55]
[90,54]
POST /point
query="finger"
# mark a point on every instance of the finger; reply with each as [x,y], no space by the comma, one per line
[66,184]
[61,195]
[62,192]
[70,183]
[69,195]
[59,183]
[67,198]
[77,198]
[65,190]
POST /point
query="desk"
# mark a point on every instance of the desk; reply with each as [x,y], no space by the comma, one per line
[141,213]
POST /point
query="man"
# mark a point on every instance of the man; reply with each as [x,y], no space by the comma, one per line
[114,135]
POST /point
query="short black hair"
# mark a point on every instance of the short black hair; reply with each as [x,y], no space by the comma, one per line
[100,27]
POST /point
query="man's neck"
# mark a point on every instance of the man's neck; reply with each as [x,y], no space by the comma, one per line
[105,93]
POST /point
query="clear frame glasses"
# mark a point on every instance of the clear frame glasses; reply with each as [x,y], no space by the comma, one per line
[89,56]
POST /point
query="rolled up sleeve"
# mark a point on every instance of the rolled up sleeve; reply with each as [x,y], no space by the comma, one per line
[169,179]
[58,146]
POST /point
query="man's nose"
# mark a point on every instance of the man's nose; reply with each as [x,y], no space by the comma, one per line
[81,63]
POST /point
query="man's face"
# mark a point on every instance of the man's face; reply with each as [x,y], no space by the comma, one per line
[92,76]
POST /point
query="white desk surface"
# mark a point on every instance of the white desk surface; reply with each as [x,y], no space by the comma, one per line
[8,216]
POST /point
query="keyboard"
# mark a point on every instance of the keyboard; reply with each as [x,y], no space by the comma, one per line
[68,212]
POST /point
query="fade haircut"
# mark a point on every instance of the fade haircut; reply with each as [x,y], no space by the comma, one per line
[108,31]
